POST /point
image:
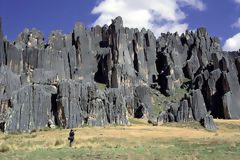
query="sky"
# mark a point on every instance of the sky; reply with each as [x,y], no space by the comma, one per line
[220,17]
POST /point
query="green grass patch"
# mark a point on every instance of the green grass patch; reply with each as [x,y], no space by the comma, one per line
[101,86]
[178,95]
[186,80]
[177,148]
[139,141]
[157,108]
[31,136]
[205,149]
[18,132]
[192,125]
[45,129]
[230,126]
[135,121]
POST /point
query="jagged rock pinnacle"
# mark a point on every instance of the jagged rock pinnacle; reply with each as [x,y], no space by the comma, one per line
[106,74]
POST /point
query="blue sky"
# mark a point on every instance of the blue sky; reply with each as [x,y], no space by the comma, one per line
[220,17]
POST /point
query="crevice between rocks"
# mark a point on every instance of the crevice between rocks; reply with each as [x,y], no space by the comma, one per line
[99,75]
[135,61]
[54,108]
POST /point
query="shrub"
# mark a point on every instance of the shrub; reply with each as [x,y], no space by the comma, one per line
[18,132]
[4,148]
[45,129]
[59,142]
[6,137]
[31,136]
[34,130]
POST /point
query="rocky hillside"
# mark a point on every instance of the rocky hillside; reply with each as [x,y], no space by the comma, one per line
[110,73]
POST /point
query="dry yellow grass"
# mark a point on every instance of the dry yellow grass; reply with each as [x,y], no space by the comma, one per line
[126,138]
[128,132]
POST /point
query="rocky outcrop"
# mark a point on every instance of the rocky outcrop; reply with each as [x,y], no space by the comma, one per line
[56,83]
[31,108]
[191,108]
[184,56]
[80,103]
[143,103]
[184,113]
[2,53]
[213,73]
[208,122]
[165,117]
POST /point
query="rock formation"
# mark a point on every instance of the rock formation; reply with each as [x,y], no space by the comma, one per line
[57,83]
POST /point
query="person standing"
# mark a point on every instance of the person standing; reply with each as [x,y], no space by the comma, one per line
[71,137]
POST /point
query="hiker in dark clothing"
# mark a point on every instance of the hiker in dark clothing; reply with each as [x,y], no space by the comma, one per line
[71,137]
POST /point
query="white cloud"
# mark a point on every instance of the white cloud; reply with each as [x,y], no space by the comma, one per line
[232,44]
[238,1]
[157,15]
[236,24]
[196,4]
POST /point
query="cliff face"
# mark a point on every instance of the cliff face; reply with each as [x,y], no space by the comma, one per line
[57,83]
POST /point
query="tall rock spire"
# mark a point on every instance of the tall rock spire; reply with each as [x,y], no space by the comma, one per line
[2,55]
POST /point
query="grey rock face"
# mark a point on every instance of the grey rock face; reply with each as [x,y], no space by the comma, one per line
[35,39]
[162,118]
[219,84]
[2,54]
[197,105]
[180,57]
[80,103]
[191,108]
[116,107]
[184,113]
[56,40]
[31,108]
[56,81]
[165,117]
[171,58]
[9,83]
[41,76]
[142,103]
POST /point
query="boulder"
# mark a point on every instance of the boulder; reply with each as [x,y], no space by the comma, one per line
[165,116]
[208,122]
[162,118]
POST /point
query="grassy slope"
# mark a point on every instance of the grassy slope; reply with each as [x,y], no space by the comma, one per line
[101,86]
[177,97]
[179,94]
[138,141]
